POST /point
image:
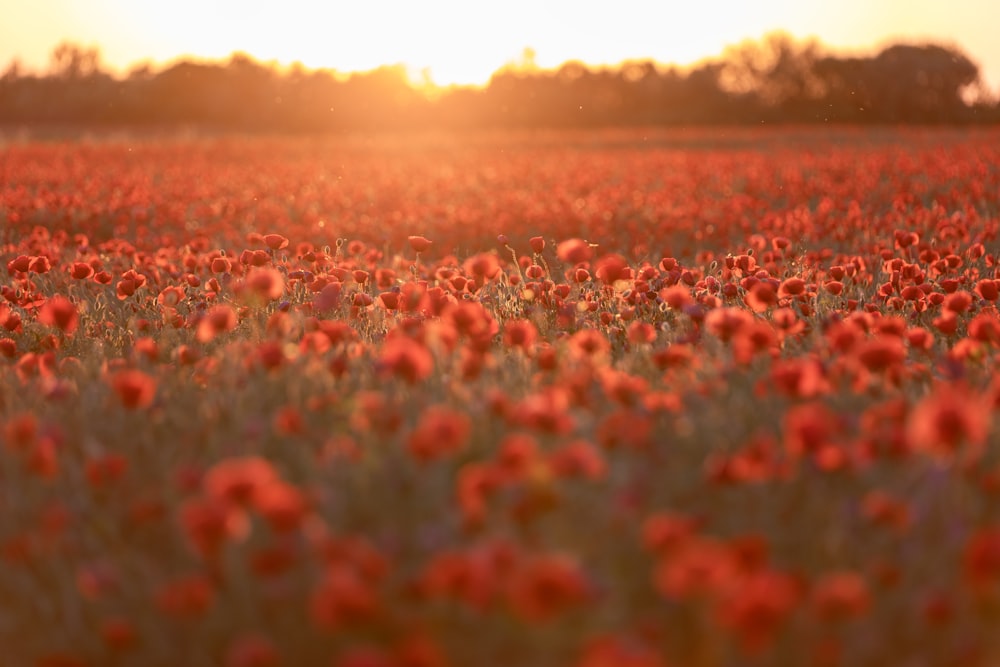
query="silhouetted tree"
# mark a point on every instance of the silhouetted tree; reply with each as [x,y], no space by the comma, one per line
[779,72]
[920,83]
[71,61]
[776,79]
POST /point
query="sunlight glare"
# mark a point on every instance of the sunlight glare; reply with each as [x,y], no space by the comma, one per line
[458,42]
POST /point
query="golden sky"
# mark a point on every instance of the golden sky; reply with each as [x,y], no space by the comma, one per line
[464,41]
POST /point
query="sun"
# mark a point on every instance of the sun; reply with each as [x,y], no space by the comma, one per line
[456,42]
[446,42]
[438,41]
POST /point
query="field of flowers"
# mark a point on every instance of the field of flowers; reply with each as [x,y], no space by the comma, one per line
[710,399]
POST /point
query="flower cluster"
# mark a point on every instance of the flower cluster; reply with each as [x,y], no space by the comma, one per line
[276,402]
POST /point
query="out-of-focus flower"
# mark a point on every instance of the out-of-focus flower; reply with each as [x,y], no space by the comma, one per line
[948,418]
[419,243]
[134,388]
[61,313]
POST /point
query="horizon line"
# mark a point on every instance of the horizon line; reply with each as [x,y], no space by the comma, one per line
[422,76]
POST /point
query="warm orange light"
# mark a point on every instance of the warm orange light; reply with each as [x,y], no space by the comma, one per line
[462,42]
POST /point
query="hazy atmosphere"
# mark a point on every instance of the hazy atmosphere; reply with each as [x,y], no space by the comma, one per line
[463,42]
[520,334]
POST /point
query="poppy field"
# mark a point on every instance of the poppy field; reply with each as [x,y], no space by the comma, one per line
[701,398]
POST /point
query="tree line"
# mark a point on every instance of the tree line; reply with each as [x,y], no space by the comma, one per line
[774,80]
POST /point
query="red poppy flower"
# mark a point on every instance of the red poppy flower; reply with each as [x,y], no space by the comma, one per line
[221,265]
[288,421]
[186,355]
[80,270]
[946,323]
[328,298]
[9,319]
[237,480]
[186,596]
[623,388]
[699,567]
[839,596]
[755,338]
[808,428]
[612,268]
[265,283]
[134,388]
[520,334]
[641,333]
[547,585]
[881,353]
[419,243]
[787,322]
[988,289]
[883,509]
[475,485]
[59,312]
[534,272]
[981,558]
[947,419]
[843,336]
[957,302]
[834,287]
[574,251]
[342,599]
[118,634]
[483,266]
[440,432]
[389,300]
[270,354]
[282,506]
[677,297]
[170,296]
[218,320]
[792,287]
[40,264]
[406,359]
[19,264]
[460,576]
[589,344]
[761,296]
[516,454]
[275,241]
[724,323]
[472,320]
[129,283]
[103,471]
[757,607]
[911,293]
[375,413]
[919,338]
[663,532]
[578,458]
[145,348]
[272,561]
[210,523]
[546,411]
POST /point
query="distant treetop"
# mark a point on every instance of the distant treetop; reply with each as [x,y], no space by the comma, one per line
[776,79]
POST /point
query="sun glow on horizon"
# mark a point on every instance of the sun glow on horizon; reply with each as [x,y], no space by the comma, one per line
[453,42]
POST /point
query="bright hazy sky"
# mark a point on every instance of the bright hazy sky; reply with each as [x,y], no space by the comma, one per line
[463,41]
